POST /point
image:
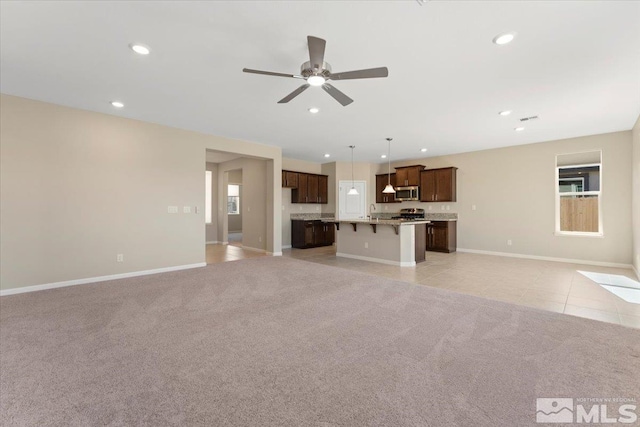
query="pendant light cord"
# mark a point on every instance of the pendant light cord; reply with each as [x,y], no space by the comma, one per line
[389,160]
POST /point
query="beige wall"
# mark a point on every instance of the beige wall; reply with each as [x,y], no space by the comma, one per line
[635,191]
[513,189]
[211,230]
[79,187]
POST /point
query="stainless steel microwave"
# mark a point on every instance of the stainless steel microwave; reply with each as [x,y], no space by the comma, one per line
[405,194]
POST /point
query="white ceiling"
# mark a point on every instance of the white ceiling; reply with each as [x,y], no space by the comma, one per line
[575,64]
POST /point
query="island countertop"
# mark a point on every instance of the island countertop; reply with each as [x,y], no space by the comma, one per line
[377,221]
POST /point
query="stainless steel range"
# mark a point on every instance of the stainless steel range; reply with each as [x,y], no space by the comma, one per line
[410,214]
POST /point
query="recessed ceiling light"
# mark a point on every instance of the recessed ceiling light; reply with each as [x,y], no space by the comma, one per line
[117,104]
[424,150]
[140,48]
[327,155]
[384,156]
[316,80]
[313,110]
[505,113]
[520,129]
[505,38]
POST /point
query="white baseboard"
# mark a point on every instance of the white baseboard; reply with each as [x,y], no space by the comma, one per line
[546,258]
[378,260]
[274,253]
[98,279]
[213,242]
[636,271]
[286,246]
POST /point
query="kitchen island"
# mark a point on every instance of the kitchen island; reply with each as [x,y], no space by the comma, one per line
[387,241]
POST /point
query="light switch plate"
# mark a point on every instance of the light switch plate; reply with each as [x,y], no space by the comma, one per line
[186,209]
[172,209]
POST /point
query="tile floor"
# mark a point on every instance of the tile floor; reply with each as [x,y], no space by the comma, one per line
[546,285]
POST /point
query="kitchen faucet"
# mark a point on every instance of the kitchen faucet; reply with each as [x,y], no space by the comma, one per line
[372,207]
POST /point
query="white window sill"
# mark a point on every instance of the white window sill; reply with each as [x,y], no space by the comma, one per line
[578,234]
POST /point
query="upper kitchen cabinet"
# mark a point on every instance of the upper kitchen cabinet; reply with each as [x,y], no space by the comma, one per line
[289,179]
[381,182]
[438,185]
[310,188]
[407,176]
[323,189]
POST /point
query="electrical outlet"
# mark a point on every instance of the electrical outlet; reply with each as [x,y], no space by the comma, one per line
[317,208]
[430,207]
[473,207]
[509,242]
[195,209]
[120,258]
[448,207]
[300,207]
[260,239]
[366,245]
[442,207]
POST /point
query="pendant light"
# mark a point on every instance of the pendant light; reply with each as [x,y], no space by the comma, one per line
[389,188]
[353,191]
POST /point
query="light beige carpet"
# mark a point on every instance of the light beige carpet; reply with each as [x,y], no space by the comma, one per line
[277,341]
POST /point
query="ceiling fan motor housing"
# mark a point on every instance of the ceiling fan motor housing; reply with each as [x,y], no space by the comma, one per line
[306,70]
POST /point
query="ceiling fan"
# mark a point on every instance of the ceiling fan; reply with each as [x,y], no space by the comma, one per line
[316,72]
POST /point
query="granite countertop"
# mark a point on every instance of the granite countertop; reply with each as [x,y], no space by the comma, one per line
[377,221]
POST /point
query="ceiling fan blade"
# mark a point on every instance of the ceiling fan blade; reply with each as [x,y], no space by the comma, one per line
[270,73]
[293,94]
[337,95]
[316,51]
[369,73]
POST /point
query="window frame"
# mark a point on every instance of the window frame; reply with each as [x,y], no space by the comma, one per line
[229,197]
[558,195]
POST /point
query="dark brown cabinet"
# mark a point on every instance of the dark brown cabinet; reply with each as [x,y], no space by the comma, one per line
[408,175]
[438,185]
[441,236]
[310,188]
[323,189]
[311,233]
[289,179]
[381,182]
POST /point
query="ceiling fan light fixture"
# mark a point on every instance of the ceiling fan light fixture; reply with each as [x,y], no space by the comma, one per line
[316,80]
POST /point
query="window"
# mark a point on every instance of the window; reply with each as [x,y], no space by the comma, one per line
[578,194]
[208,179]
[233,199]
